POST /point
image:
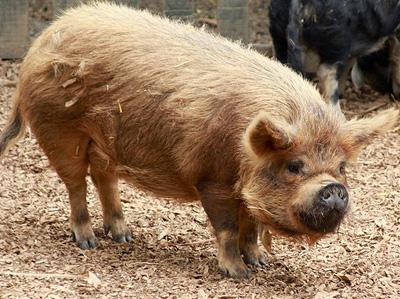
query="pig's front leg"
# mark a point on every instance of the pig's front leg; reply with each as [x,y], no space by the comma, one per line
[248,238]
[223,210]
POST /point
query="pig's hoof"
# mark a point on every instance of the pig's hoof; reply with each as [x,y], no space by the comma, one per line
[255,258]
[240,271]
[122,238]
[83,242]
[83,236]
[119,231]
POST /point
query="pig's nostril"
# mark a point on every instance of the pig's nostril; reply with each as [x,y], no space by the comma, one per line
[344,195]
[327,201]
[341,204]
[334,196]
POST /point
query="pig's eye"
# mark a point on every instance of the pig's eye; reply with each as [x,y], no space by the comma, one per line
[342,168]
[295,167]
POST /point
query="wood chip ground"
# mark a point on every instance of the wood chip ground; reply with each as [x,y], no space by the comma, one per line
[173,254]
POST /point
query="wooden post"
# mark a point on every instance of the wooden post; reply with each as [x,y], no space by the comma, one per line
[233,20]
[13,28]
[60,5]
[182,9]
[131,3]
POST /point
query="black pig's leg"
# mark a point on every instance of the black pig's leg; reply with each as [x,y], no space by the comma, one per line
[279,19]
[344,75]
[328,81]
[294,38]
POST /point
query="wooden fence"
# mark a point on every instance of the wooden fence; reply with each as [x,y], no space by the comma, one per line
[232,20]
[13,28]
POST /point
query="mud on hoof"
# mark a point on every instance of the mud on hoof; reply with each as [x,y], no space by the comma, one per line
[119,231]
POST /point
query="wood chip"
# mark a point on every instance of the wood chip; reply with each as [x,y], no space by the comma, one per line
[38,259]
[9,83]
[71,102]
[93,279]
[42,275]
[69,82]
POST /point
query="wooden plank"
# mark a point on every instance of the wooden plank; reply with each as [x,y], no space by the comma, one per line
[233,20]
[182,9]
[13,28]
[61,5]
[131,3]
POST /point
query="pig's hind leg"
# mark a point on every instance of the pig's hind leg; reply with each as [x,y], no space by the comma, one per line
[248,237]
[67,153]
[105,178]
[222,209]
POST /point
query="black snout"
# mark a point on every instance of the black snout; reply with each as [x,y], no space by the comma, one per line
[327,210]
[334,196]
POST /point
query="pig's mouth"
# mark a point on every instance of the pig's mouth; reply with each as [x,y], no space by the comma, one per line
[321,221]
[307,220]
[327,211]
[295,233]
[292,228]
[304,227]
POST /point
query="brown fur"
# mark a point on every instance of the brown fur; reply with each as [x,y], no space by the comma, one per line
[182,114]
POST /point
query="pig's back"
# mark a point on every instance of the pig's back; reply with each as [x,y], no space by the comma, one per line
[159,87]
[122,49]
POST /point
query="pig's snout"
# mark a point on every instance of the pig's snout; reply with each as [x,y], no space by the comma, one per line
[327,209]
[333,197]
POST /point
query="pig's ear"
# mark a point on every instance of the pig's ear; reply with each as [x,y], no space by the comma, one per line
[359,132]
[266,134]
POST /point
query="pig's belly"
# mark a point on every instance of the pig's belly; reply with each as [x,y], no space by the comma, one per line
[159,182]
